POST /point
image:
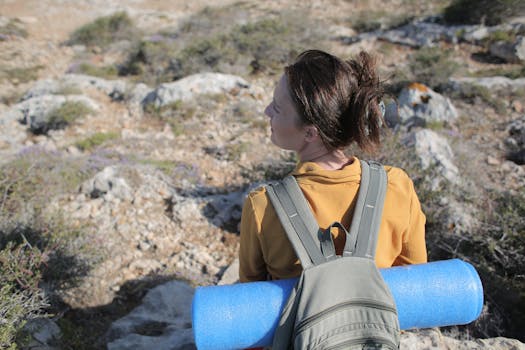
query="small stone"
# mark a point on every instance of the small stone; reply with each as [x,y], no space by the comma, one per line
[493,161]
[517,106]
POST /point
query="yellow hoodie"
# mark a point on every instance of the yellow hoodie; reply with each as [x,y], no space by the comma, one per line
[265,251]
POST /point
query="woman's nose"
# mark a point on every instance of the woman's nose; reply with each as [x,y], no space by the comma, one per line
[267,111]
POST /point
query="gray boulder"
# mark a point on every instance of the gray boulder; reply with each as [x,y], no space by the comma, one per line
[44,332]
[516,141]
[107,184]
[418,105]
[516,131]
[512,52]
[434,151]
[491,83]
[116,89]
[433,339]
[12,134]
[425,33]
[197,84]
[428,32]
[138,93]
[230,274]
[162,321]
[35,111]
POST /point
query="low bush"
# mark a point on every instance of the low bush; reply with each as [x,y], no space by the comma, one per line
[379,19]
[13,27]
[514,72]
[475,94]
[63,116]
[105,30]
[432,66]
[487,12]
[19,75]
[37,244]
[106,72]
[256,46]
[96,140]
[151,61]
[20,297]
[176,114]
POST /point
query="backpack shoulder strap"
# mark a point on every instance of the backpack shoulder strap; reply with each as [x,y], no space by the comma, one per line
[297,220]
[368,211]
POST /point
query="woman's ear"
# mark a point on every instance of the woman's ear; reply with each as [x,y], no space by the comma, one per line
[311,133]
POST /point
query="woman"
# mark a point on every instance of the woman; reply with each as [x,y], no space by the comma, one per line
[321,105]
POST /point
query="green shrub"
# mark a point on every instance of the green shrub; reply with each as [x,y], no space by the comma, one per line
[63,116]
[501,35]
[183,116]
[19,75]
[234,151]
[13,28]
[474,94]
[257,46]
[95,140]
[514,72]
[151,61]
[38,244]
[11,97]
[175,114]
[105,30]
[432,66]
[106,72]
[488,12]
[20,297]
[367,21]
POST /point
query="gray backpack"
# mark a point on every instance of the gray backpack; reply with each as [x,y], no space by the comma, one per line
[339,302]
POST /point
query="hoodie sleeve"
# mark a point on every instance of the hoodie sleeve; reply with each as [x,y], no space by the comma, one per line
[252,266]
[414,249]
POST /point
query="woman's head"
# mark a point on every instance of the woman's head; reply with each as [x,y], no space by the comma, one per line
[339,98]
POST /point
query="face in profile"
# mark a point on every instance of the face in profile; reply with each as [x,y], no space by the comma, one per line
[287,129]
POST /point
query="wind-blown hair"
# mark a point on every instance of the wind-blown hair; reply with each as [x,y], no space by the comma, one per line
[340,98]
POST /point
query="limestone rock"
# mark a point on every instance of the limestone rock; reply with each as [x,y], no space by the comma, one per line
[186,88]
[516,141]
[516,131]
[417,34]
[428,32]
[512,52]
[34,111]
[491,83]
[162,321]
[105,183]
[116,89]
[230,274]
[12,134]
[418,104]
[44,333]
[433,339]
[434,150]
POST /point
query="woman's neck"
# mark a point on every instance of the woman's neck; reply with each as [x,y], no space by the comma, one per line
[325,158]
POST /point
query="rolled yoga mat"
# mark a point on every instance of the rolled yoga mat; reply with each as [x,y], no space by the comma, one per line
[245,315]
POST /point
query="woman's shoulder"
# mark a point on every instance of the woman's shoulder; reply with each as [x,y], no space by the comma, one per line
[398,179]
[395,173]
[257,197]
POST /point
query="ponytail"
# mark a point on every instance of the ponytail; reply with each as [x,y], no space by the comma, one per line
[364,116]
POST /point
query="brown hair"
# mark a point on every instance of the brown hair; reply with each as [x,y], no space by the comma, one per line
[341,98]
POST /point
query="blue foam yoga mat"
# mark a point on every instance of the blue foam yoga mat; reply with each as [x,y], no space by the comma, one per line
[244,315]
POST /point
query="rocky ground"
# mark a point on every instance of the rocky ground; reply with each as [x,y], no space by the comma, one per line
[165,200]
